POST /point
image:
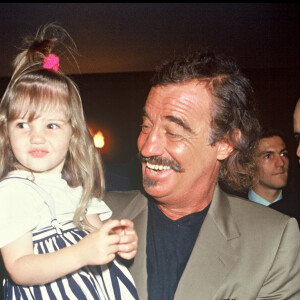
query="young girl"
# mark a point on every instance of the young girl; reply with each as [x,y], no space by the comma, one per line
[52,240]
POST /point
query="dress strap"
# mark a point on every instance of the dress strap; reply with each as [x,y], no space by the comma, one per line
[47,198]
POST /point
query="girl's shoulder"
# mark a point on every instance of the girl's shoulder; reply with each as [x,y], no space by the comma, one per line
[18,191]
[22,209]
[15,184]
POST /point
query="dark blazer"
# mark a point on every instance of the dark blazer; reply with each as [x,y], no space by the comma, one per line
[244,251]
[289,206]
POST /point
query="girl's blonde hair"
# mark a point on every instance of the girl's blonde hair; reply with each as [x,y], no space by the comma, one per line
[36,90]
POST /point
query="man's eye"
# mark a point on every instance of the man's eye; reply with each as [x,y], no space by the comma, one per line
[22,125]
[173,136]
[145,128]
[297,137]
[52,126]
[171,133]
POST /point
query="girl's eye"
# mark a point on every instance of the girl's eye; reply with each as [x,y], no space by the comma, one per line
[52,126]
[22,125]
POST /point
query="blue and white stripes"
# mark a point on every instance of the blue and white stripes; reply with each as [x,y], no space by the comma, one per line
[108,282]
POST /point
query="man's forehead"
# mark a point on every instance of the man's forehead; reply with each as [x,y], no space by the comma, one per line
[187,96]
[170,118]
[271,144]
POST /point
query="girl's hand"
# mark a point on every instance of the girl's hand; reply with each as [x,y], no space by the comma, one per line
[128,239]
[100,246]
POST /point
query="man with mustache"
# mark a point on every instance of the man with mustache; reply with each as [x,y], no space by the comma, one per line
[196,241]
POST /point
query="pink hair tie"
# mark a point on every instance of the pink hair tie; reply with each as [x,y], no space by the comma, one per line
[51,62]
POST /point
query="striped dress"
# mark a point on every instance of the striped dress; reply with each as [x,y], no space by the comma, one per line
[108,282]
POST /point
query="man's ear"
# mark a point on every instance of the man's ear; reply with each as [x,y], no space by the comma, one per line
[224,150]
[225,146]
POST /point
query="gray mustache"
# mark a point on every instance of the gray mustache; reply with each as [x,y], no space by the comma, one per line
[158,160]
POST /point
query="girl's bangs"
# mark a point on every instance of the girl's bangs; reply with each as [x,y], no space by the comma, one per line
[35,100]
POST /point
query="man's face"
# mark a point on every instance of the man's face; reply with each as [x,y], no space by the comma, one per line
[297,127]
[174,138]
[273,163]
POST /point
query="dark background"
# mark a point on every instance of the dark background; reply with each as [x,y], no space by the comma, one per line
[121,43]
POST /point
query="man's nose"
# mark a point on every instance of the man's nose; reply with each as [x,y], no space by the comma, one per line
[280,161]
[151,144]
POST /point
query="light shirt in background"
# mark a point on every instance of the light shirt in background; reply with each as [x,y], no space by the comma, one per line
[258,199]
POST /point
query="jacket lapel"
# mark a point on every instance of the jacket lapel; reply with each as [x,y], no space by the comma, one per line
[139,268]
[134,206]
[214,253]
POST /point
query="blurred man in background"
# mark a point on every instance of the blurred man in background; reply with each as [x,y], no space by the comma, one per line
[273,163]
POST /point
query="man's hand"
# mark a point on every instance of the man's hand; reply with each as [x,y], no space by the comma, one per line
[128,239]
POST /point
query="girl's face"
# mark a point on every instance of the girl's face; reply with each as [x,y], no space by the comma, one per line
[42,144]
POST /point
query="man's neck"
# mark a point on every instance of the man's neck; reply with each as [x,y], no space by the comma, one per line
[175,209]
[177,213]
[267,193]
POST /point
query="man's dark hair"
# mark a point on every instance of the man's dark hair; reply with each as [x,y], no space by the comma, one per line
[234,111]
[270,132]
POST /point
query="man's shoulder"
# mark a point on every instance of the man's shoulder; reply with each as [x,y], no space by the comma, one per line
[125,203]
[258,223]
[123,195]
[246,211]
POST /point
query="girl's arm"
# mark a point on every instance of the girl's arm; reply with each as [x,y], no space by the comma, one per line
[26,268]
[94,222]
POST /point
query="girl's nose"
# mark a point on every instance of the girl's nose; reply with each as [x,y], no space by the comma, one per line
[37,136]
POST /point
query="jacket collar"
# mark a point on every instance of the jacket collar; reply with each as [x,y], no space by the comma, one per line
[215,252]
